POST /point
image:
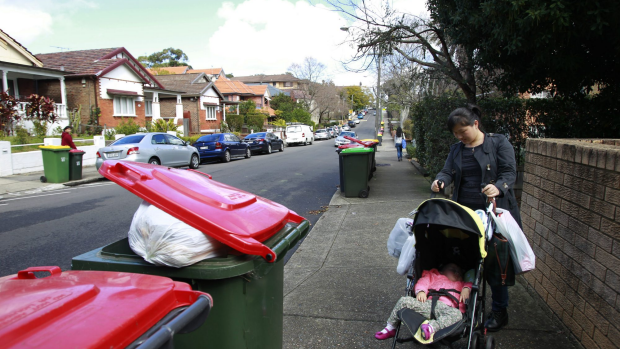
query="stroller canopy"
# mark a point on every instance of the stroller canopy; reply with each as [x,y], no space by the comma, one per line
[450,214]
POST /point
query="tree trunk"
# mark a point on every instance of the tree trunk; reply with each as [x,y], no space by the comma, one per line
[403,115]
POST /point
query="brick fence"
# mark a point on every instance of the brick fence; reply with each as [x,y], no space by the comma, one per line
[571,214]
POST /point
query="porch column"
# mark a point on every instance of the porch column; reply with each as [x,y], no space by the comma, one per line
[155,107]
[63,92]
[224,113]
[179,110]
[5,81]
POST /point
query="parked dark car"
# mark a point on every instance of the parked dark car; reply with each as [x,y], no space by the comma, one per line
[351,123]
[264,142]
[222,146]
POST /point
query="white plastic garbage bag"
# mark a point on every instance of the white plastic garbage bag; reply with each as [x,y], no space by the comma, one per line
[406,255]
[523,257]
[484,218]
[400,233]
[162,239]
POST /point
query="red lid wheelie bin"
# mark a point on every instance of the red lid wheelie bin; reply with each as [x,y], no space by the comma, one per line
[96,309]
[247,284]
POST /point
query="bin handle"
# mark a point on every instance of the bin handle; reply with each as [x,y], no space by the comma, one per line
[291,238]
[187,320]
[132,176]
[29,273]
[354,140]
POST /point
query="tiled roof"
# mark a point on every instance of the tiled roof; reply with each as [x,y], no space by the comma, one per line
[191,84]
[233,87]
[258,89]
[171,70]
[20,45]
[211,71]
[266,78]
[84,62]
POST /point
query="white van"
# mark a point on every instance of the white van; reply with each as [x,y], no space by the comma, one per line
[299,134]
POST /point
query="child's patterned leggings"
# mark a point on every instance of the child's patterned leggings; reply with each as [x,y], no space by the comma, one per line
[445,314]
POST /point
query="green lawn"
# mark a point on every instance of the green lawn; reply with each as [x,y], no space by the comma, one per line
[33,140]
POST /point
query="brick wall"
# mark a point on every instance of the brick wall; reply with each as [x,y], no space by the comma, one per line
[49,88]
[571,214]
[167,107]
[84,95]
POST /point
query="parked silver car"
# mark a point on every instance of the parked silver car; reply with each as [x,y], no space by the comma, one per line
[153,148]
[321,134]
[340,140]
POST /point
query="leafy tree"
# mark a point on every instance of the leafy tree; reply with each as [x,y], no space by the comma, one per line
[8,112]
[169,57]
[230,75]
[255,120]
[567,46]
[300,115]
[359,97]
[246,106]
[235,122]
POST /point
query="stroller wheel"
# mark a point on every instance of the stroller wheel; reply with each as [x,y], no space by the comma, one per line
[476,340]
[490,342]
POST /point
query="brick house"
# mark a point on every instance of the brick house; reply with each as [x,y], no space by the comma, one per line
[22,74]
[200,97]
[110,79]
[281,81]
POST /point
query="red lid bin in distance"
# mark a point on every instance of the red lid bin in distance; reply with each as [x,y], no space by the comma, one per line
[86,309]
[234,217]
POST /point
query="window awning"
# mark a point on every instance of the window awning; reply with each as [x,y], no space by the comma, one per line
[123,93]
[213,104]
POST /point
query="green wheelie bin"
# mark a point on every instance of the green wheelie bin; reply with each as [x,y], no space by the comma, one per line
[246,284]
[55,163]
[75,164]
[356,165]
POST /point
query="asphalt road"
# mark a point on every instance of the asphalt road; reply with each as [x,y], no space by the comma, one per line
[51,228]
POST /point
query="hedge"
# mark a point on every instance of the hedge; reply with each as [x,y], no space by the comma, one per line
[515,117]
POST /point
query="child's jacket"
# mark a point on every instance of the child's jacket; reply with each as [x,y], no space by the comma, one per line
[435,281]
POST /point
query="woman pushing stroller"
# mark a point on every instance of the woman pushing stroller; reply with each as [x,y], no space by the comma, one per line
[448,310]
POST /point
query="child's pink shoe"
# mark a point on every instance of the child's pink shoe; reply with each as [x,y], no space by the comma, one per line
[385,334]
[427,331]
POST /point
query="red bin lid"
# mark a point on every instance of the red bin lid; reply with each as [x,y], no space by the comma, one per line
[84,309]
[232,216]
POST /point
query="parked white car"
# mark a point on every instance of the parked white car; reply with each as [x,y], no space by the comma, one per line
[321,134]
[299,134]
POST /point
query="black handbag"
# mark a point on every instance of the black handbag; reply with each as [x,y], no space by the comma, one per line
[498,263]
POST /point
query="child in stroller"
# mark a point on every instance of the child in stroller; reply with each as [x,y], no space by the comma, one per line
[445,284]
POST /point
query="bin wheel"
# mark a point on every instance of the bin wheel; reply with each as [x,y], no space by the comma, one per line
[43,179]
[364,193]
[490,342]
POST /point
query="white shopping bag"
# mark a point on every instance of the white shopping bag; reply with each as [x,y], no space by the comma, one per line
[398,236]
[162,239]
[523,257]
[406,255]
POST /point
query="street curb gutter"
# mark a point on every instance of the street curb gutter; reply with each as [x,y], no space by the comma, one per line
[84,181]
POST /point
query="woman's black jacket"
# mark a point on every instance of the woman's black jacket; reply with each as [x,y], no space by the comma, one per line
[498,165]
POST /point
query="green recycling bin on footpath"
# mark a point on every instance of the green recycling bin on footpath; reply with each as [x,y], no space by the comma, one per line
[356,165]
[75,164]
[247,284]
[55,163]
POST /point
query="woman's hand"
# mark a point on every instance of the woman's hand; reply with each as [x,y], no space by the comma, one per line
[465,294]
[435,186]
[421,296]
[490,191]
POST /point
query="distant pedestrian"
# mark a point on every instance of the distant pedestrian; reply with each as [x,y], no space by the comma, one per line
[398,143]
[66,137]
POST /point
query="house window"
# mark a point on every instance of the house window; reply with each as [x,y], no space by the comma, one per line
[148,108]
[210,113]
[288,84]
[124,106]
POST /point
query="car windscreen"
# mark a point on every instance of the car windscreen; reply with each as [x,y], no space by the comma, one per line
[129,139]
[350,134]
[210,138]
[320,131]
[255,135]
[293,129]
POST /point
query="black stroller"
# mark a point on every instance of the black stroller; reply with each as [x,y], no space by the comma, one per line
[447,232]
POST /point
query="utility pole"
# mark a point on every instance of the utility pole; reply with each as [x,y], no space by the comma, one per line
[379,111]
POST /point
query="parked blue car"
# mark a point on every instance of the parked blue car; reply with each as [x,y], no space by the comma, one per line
[222,146]
[264,142]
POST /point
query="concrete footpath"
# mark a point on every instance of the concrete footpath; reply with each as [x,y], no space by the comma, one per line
[30,183]
[341,284]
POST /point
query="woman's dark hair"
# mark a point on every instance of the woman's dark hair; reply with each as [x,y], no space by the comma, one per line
[465,116]
[67,127]
[399,132]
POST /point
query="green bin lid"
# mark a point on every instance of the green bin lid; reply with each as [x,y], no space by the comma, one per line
[357,150]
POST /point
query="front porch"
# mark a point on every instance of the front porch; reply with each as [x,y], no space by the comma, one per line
[21,81]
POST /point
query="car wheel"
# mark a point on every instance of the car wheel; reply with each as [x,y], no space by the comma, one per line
[194,162]
[268,148]
[226,156]
[248,153]
[281,147]
[311,141]
[305,142]
[154,161]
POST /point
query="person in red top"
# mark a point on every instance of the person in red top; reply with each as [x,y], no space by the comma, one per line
[66,137]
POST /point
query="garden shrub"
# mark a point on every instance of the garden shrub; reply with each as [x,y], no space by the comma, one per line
[127,127]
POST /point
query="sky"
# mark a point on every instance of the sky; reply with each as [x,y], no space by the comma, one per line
[244,37]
